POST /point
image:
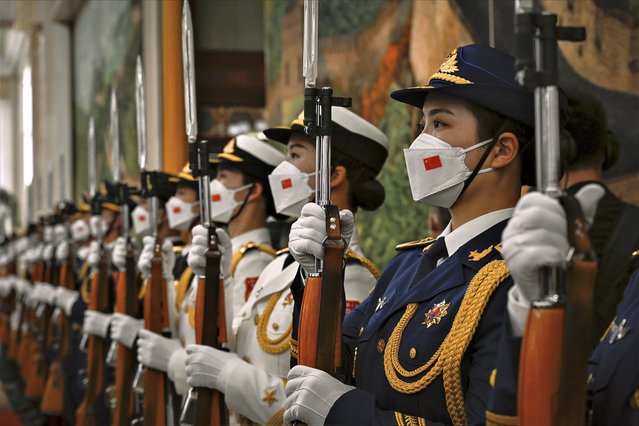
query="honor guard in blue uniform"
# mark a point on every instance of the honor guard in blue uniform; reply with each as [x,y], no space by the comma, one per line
[420,349]
[536,237]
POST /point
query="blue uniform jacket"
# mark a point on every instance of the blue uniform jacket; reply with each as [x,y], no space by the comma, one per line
[437,297]
[613,377]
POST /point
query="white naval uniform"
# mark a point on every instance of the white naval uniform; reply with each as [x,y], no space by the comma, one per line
[256,390]
[252,251]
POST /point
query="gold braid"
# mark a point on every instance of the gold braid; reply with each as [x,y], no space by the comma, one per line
[448,357]
[272,346]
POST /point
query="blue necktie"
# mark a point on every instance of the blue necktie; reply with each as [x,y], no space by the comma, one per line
[434,252]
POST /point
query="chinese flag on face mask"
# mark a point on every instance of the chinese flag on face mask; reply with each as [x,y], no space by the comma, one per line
[287,183]
[433,162]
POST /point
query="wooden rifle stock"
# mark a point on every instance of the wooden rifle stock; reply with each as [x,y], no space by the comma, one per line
[155,320]
[126,303]
[320,329]
[97,348]
[210,330]
[556,344]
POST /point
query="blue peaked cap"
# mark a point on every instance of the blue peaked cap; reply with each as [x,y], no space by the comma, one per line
[482,75]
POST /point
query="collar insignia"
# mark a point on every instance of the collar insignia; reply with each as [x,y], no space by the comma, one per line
[618,331]
[436,313]
[269,397]
[380,303]
[476,256]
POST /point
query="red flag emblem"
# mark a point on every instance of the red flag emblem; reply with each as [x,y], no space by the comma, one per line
[216,198]
[287,183]
[433,162]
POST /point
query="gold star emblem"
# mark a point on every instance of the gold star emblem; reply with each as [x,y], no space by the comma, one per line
[476,256]
[436,313]
[269,397]
[289,300]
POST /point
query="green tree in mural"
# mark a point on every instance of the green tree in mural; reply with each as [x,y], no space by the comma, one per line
[400,218]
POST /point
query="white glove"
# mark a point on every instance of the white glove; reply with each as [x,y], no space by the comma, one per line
[536,236]
[309,232]
[65,298]
[45,293]
[96,323]
[124,329]
[155,351]
[47,252]
[310,394]
[62,251]
[5,287]
[168,258]
[200,244]
[118,255]
[209,367]
[83,252]
[93,256]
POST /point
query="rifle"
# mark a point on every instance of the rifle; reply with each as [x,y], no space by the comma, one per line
[205,404]
[156,318]
[126,302]
[556,342]
[97,350]
[321,313]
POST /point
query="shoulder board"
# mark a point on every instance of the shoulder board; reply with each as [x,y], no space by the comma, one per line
[364,261]
[261,247]
[237,257]
[415,244]
[282,251]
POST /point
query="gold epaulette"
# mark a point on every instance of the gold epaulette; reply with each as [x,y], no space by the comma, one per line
[635,253]
[247,248]
[415,244]
[281,251]
[364,261]
[178,249]
[181,287]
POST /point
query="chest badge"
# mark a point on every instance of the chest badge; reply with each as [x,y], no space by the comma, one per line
[289,300]
[436,313]
[380,303]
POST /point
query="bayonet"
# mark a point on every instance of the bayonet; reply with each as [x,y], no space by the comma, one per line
[91,159]
[115,137]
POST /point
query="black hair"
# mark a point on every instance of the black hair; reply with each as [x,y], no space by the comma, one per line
[365,190]
[247,179]
[585,120]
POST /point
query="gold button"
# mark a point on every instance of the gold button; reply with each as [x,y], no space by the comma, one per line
[361,331]
[256,319]
[381,345]
[412,353]
[276,326]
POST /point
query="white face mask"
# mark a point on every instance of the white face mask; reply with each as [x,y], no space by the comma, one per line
[59,232]
[290,189]
[80,230]
[48,234]
[223,201]
[140,219]
[437,171]
[180,213]
[99,227]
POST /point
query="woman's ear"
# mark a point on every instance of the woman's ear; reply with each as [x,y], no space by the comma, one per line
[505,150]
[338,176]
[255,192]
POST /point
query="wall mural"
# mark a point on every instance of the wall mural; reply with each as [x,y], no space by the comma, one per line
[106,42]
[370,48]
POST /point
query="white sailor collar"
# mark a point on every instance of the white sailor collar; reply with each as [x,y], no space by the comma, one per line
[469,230]
[259,236]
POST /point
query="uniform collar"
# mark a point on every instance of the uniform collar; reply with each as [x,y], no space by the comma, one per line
[469,230]
[354,243]
[259,236]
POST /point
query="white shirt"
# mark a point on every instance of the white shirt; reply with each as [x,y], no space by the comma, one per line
[469,230]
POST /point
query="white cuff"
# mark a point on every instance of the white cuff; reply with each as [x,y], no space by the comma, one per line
[518,308]
[67,306]
[227,371]
[177,371]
